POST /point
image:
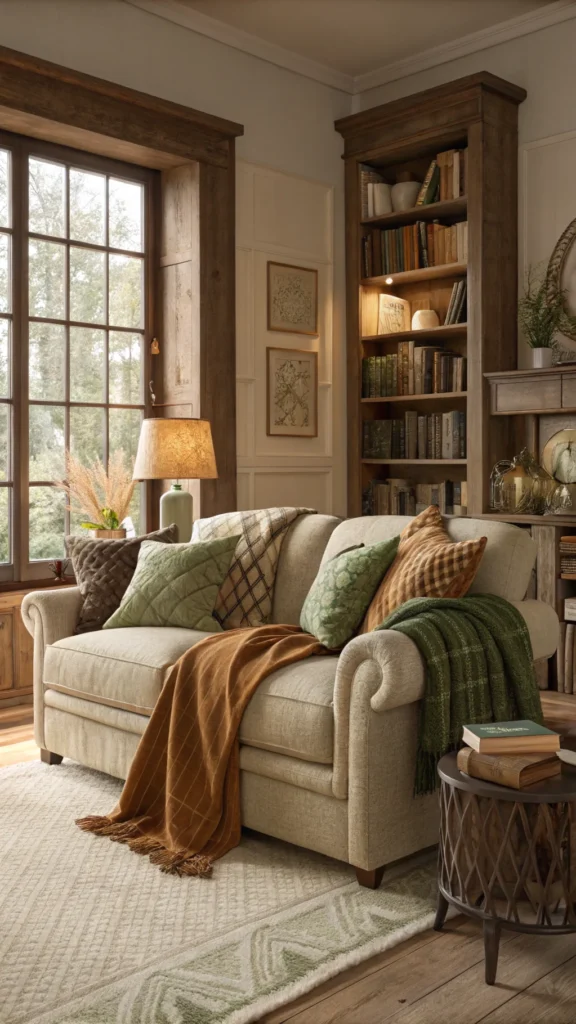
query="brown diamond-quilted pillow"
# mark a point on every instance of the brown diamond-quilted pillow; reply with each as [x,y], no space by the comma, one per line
[428,564]
[103,570]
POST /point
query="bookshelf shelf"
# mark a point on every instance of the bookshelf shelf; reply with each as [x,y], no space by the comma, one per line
[416,276]
[469,127]
[414,462]
[415,398]
[449,209]
[433,334]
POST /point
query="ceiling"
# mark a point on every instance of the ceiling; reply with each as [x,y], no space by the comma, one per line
[354,37]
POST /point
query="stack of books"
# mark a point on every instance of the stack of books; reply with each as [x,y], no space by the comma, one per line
[404,498]
[568,556]
[432,436]
[515,754]
[413,370]
[413,247]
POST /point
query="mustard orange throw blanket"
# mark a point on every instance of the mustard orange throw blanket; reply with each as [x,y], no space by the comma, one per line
[181,801]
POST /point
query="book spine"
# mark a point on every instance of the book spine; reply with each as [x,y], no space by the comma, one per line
[569,658]
[426,184]
[487,767]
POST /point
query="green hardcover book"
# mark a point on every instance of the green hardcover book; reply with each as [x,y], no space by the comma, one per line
[372,385]
[390,376]
[394,360]
[510,737]
[366,378]
[432,190]
[381,376]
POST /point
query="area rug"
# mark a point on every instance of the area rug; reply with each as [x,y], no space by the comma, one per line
[91,934]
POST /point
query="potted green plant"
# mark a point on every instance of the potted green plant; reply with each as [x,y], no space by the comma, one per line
[103,497]
[540,315]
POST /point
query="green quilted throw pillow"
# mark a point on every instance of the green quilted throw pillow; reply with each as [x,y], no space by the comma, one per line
[343,589]
[175,585]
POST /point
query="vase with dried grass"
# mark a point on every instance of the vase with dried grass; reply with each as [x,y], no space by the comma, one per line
[103,497]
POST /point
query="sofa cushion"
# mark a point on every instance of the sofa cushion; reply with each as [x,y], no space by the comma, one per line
[506,566]
[175,585]
[428,564]
[343,589]
[290,713]
[103,570]
[124,667]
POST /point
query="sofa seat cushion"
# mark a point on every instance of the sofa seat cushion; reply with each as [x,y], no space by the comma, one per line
[123,667]
[291,712]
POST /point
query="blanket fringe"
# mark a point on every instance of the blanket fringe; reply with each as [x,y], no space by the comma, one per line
[195,864]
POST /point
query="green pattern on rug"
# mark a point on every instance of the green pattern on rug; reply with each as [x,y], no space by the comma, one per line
[265,966]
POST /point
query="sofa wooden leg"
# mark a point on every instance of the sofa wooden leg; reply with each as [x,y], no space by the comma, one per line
[49,758]
[370,879]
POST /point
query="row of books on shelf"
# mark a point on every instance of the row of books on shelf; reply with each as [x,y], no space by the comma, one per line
[568,556]
[439,435]
[445,179]
[514,754]
[413,247]
[403,498]
[395,313]
[413,370]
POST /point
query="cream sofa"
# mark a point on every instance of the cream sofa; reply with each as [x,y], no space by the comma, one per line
[327,745]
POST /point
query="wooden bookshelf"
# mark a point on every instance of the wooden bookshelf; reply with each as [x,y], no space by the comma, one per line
[434,334]
[414,462]
[435,396]
[478,113]
[449,209]
[416,276]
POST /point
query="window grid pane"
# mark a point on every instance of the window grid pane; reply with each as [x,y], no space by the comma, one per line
[97,352]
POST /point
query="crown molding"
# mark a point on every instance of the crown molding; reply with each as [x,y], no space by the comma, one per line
[187,17]
[513,28]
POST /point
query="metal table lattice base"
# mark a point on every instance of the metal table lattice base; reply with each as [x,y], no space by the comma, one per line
[506,855]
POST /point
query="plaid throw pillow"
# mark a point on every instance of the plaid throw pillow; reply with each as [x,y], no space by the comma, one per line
[428,564]
[245,597]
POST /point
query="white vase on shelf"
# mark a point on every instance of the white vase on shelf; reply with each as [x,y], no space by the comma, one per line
[404,195]
[425,320]
[542,358]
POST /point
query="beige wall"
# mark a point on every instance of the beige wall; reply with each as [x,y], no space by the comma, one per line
[285,219]
[288,123]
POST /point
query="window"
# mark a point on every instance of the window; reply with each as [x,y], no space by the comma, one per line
[74,334]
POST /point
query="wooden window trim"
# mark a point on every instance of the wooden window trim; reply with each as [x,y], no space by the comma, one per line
[21,570]
[58,105]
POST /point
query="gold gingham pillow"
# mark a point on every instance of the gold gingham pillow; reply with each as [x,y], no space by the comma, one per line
[428,564]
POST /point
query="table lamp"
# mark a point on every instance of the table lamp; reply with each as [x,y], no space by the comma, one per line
[179,449]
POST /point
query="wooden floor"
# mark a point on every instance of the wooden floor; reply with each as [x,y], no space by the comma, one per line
[434,978]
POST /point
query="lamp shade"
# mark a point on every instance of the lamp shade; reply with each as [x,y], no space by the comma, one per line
[179,449]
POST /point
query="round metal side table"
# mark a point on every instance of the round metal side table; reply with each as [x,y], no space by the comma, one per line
[507,857]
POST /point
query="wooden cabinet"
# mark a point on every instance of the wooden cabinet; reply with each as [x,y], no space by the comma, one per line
[522,392]
[15,652]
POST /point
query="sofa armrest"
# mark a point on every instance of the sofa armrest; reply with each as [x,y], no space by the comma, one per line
[384,670]
[49,615]
[543,626]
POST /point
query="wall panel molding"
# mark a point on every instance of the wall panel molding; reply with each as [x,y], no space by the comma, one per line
[289,218]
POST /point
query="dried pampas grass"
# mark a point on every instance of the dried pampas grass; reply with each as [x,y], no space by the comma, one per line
[94,493]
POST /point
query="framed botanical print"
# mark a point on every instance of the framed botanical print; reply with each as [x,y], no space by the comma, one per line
[292,299]
[292,392]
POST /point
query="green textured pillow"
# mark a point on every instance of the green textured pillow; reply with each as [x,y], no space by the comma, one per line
[175,585]
[343,589]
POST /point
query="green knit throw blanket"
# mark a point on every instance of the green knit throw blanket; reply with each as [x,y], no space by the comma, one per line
[479,668]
